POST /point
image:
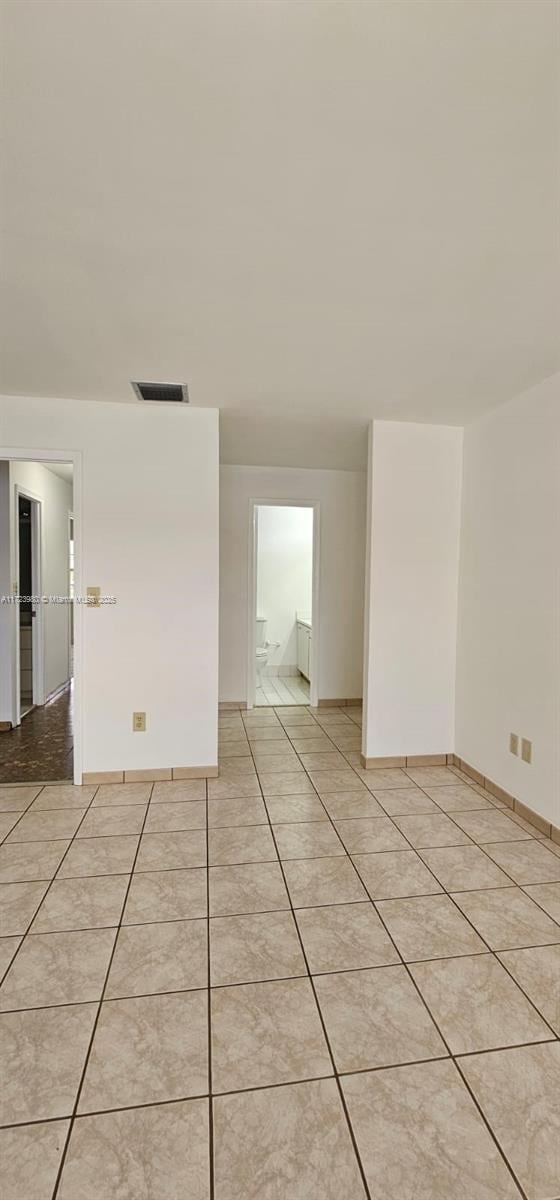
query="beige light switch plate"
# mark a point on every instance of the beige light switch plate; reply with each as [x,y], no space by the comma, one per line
[526,750]
[139,722]
[514,743]
[93,597]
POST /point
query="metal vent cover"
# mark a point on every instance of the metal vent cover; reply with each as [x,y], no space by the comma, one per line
[167,393]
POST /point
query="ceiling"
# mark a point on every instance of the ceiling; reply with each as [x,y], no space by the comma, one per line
[324,210]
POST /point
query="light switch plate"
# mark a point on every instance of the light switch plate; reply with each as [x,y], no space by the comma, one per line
[514,743]
[526,750]
[93,597]
[139,722]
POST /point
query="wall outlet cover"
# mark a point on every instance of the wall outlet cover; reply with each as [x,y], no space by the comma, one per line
[139,722]
[514,743]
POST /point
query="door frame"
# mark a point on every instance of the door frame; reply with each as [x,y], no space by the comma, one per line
[37,623]
[42,455]
[274,502]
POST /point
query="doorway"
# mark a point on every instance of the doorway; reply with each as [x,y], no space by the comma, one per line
[37,631]
[283,619]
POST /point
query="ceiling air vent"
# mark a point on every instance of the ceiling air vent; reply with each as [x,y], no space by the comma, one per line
[169,393]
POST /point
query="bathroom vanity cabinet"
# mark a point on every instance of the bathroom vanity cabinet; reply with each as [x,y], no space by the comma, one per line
[304,647]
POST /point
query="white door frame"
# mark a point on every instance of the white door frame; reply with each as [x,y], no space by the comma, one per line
[269,502]
[37,623]
[41,455]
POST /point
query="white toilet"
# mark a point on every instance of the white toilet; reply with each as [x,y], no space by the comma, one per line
[263,649]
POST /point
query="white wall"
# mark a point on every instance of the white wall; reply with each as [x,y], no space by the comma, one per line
[284,578]
[508,662]
[56,497]
[341,495]
[148,508]
[413,581]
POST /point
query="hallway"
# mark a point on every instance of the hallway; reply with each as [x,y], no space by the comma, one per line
[379,948]
[42,746]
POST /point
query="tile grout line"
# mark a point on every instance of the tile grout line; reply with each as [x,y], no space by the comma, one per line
[74,1112]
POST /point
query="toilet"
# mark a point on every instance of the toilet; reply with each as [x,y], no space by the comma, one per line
[263,649]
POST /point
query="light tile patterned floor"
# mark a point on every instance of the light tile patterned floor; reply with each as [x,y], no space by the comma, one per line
[282,689]
[300,981]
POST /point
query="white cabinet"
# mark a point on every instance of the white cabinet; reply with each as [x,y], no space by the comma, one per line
[304,649]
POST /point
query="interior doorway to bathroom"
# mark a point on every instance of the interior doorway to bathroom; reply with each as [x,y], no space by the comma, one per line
[284,609]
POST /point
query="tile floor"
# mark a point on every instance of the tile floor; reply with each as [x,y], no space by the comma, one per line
[42,746]
[282,689]
[298,981]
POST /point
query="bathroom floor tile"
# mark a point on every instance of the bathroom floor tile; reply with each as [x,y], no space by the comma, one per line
[168,851]
[375,1018]
[253,887]
[166,896]
[18,904]
[313,881]
[99,856]
[8,947]
[249,810]
[344,937]
[29,1159]
[409,1146]
[476,1004]
[395,874]
[94,902]
[42,1054]
[368,835]
[148,1049]
[382,778]
[104,822]
[325,760]
[431,776]
[266,1033]
[464,868]
[139,1154]
[254,947]
[507,919]
[537,971]
[429,927]
[176,815]
[307,839]
[277,764]
[290,1141]
[58,968]
[165,957]
[241,844]
[7,822]
[526,862]
[24,861]
[519,1093]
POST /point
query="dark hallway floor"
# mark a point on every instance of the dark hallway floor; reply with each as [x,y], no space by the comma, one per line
[41,748]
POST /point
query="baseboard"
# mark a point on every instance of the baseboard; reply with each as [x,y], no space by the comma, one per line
[406,760]
[231,705]
[343,703]
[57,691]
[518,806]
[5,726]
[149,775]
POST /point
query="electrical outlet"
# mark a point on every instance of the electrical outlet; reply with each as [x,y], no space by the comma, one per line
[93,595]
[526,750]
[514,743]
[139,722]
